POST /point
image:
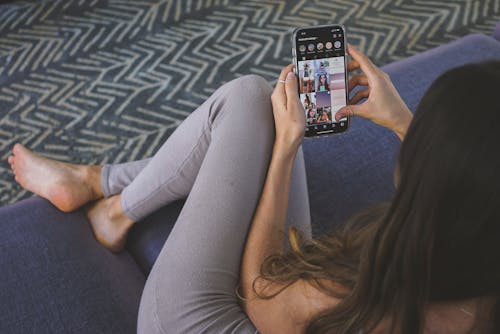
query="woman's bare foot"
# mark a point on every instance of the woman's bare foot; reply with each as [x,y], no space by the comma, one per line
[65,185]
[109,223]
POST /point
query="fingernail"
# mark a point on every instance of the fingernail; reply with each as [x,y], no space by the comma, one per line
[290,76]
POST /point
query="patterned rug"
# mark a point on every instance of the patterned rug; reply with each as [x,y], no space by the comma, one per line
[108,81]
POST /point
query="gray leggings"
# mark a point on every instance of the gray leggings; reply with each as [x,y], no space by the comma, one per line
[217,158]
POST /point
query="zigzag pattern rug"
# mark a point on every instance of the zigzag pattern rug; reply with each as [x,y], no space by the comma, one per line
[108,81]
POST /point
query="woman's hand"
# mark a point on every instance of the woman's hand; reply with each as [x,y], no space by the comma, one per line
[289,115]
[384,106]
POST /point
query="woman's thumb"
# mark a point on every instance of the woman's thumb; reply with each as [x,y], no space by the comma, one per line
[347,111]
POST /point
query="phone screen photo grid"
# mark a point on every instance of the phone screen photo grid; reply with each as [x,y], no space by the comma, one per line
[322,88]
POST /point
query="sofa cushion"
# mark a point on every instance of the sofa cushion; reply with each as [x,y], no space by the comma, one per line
[348,172]
[56,278]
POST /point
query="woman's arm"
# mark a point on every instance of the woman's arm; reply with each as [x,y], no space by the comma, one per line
[290,310]
[266,234]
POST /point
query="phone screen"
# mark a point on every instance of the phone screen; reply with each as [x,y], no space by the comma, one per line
[321,68]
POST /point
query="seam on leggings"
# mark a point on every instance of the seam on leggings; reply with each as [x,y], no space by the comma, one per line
[155,191]
[218,118]
[126,210]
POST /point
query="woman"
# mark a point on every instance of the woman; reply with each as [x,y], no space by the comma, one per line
[323,83]
[425,263]
[323,117]
[311,116]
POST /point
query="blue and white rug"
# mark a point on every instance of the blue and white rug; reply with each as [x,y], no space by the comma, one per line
[108,81]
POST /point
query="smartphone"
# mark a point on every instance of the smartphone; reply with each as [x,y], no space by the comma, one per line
[319,55]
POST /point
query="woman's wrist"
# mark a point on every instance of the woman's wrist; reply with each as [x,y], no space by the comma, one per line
[287,146]
[401,127]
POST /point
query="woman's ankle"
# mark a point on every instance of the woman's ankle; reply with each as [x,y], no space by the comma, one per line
[117,213]
[92,176]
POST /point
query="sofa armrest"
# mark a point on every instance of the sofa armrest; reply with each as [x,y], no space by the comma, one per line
[412,76]
[496,32]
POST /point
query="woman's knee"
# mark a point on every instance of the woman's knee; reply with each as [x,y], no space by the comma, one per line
[248,99]
[251,90]
[254,83]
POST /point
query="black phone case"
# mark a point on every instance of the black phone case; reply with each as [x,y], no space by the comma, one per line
[295,63]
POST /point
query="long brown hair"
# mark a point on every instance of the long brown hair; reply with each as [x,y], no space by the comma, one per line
[439,238]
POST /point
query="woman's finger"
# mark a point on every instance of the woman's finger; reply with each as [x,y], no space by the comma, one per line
[358,79]
[352,65]
[282,76]
[365,63]
[347,111]
[360,95]
[279,89]
[352,110]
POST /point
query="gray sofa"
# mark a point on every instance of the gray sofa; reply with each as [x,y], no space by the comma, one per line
[57,279]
